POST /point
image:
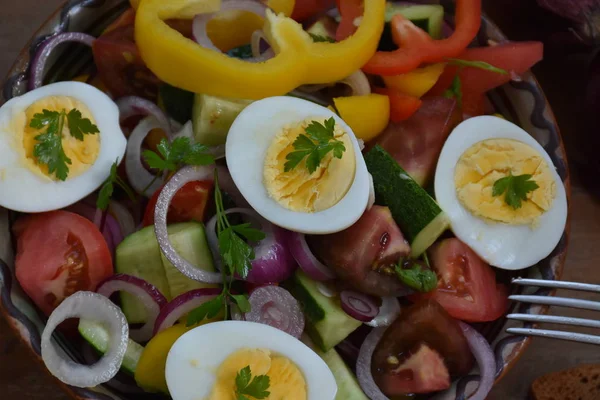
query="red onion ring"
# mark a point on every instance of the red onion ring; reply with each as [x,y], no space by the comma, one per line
[314,268]
[275,306]
[134,105]
[272,259]
[111,232]
[137,175]
[363,365]
[183,176]
[388,312]
[152,299]
[199,27]
[358,305]
[484,355]
[182,305]
[38,64]
[95,307]
[123,217]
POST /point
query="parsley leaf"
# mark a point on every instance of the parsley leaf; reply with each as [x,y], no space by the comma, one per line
[515,187]
[315,146]
[251,234]
[79,126]
[236,253]
[108,187]
[415,276]
[321,38]
[477,64]
[207,310]
[256,387]
[180,151]
[49,150]
[455,91]
[242,302]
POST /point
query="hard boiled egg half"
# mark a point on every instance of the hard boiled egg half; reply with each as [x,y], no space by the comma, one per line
[326,200]
[204,363]
[506,233]
[26,184]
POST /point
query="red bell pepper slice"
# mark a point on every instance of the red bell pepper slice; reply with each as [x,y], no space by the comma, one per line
[417,47]
[349,11]
[402,106]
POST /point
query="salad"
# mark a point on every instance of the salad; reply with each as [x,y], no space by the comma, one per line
[277,199]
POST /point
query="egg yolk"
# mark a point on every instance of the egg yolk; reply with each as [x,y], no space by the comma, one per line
[299,190]
[485,162]
[286,382]
[82,153]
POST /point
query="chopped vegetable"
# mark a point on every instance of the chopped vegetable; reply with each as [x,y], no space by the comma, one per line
[246,385]
[413,275]
[298,60]
[366,115]
[417,82]
[402,106]
[180,152]
[108,187]
[315,146]
[515,187]
[189,203]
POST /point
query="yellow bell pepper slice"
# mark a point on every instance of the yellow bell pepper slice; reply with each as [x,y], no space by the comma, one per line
[367,115]
[279,6]
[298,60]
[150,371]
[417,82]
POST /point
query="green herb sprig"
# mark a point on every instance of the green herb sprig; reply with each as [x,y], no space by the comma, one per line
[108,187]
[321,38]
[49,149]
[515,187]
[413,275]
[455,90]
[237,256]
[314,146]
[247,386]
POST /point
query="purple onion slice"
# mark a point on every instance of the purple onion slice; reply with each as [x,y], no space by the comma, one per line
[314,268]
[182,305]
[275,306]
[358,305]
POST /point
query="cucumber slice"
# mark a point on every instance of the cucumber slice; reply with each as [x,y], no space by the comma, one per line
[139,255]
[326,323]
[176,102]
[189,239]
[417,214]
[428,17]
[212,117]
[348,387]
[97,335]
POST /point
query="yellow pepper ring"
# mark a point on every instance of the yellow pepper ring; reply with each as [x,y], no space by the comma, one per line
[183,63]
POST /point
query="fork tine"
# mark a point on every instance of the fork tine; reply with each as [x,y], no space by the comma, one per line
[557,301]
[570,336]
[555,320]
[587,287]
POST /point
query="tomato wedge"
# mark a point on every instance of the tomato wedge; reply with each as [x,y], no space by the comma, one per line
[58,254]
[188,204]
[304,9]
[467,286]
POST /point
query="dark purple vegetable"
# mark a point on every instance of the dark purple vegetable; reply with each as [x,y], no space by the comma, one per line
[359,305]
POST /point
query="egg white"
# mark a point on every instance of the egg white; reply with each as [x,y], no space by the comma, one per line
[22,189]
[194,359]
[247,143]
[501,245]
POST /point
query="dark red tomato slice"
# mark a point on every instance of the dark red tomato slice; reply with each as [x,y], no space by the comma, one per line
[394,367]
[417,142]
[467,286]
[121,67]
[358,253]
[304,9]
[188,204]
[58,254]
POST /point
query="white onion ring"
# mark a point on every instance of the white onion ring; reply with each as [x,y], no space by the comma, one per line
[307,260]
[38,63]
[363,365]
[151,298]
[182,305]
[183,176]
[137,174]
[258,56]
[388,312]
[91,306]
[359,83]
[135,105]
[371,200]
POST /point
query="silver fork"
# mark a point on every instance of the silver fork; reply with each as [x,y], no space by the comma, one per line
[556,301]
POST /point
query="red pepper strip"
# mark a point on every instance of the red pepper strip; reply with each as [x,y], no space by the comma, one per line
[417,47]
[349,10]
[402,106]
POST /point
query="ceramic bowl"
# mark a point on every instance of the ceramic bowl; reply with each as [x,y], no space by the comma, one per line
[521,102]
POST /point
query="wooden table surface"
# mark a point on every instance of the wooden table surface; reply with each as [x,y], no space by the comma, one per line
[22,378]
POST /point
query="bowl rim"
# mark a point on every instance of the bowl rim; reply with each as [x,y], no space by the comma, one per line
[518,350]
